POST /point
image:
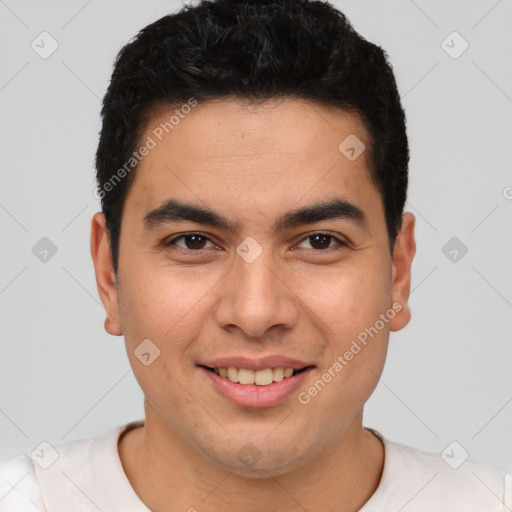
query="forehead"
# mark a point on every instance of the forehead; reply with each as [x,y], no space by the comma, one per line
[227,128]
[226,151]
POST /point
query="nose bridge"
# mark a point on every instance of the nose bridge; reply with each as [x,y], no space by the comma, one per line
[256,299]
[257,279]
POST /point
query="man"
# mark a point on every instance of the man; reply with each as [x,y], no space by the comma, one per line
[253,251]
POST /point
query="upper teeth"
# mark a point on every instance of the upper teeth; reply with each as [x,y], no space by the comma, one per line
[259,377]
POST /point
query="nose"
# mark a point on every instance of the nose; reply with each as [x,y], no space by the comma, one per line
[257,298]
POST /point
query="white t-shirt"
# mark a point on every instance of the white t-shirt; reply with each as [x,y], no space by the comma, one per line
[86,476]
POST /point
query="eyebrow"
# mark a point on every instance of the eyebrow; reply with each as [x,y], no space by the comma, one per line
[173,210]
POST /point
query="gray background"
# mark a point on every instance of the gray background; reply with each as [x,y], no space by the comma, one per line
[448,375]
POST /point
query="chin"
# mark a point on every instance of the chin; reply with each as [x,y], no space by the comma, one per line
[252,463]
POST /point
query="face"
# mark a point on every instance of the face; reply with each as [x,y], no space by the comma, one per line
[249,239]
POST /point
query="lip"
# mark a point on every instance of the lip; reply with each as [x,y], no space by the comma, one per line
[256,396]
[255,364]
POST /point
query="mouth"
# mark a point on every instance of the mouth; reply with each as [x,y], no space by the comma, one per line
[262,388]
[248,377]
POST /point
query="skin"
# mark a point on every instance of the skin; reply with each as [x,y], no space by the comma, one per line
[252,163]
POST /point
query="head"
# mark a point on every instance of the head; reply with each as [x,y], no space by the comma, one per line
[272,129]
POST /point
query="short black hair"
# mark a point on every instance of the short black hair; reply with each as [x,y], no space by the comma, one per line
[252,50]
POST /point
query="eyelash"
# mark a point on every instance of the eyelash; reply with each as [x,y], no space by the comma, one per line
[341,243]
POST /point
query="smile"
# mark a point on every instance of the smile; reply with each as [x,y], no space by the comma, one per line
[250,388]
[247,377]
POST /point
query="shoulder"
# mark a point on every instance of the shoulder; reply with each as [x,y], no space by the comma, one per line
[19,489]
[25,479]
[81,472]
[433,481]
[30,481]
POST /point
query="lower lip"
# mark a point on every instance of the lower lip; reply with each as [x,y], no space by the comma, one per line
[257,396]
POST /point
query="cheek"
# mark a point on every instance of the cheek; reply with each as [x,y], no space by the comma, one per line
[357,339]
[165,305]
[164,309]
[346,299]
[350,305]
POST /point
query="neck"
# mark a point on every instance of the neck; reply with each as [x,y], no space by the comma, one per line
[347,473]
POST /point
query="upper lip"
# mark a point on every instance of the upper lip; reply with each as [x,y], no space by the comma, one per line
[271,361]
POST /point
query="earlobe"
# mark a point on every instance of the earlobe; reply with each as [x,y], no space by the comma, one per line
[105,276]
[403,255]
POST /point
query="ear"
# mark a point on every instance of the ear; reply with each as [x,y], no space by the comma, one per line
[403,254]
[105,276]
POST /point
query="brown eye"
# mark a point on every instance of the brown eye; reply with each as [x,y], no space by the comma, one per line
[322,241]
[191,241]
